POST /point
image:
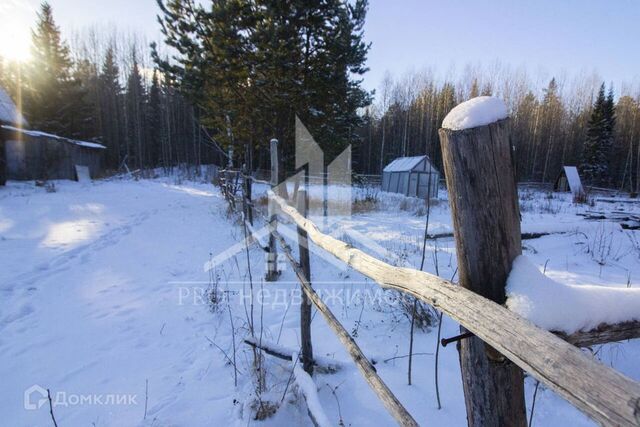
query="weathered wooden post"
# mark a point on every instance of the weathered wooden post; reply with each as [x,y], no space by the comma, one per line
[246,190]
[483,196]
[272,254]
[305,304]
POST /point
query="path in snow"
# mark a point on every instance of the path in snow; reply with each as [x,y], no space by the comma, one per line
[88,308]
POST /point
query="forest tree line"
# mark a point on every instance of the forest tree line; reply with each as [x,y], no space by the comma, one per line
[578,121]
[240,72]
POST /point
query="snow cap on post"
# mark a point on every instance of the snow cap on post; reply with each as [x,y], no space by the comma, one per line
[475,112]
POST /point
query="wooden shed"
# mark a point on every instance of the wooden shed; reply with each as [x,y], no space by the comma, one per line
[411,176]
[569,180]
[35,155]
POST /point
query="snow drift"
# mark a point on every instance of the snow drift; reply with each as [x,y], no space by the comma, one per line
[567,308]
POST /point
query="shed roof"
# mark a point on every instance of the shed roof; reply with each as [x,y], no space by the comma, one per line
[402,164]
[8,111]
[39,134]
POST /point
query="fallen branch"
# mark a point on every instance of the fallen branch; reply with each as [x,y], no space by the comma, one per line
[406,355]
[324,365]
[603,334]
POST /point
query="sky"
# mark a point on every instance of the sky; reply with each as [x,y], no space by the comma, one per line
[546,37]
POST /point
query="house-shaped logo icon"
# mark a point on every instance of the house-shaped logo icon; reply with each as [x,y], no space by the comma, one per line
[336,197]
[34,397]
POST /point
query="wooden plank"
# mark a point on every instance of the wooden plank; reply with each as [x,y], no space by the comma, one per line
[367,369]
[305,304]
[272,254]
[603,334]
[523,236]
[486,222]
[247,190]
[605,395]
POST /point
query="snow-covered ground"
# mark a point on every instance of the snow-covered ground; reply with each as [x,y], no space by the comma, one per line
[105,301]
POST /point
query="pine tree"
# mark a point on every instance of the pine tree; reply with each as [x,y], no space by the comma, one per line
[111,121]
[155,122]
[81,97]
[610,111]
[135,109]
[49,95]
[598,144]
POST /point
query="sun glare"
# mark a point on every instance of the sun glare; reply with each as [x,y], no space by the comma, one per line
[15,42]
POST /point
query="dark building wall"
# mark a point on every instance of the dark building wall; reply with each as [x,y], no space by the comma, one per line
[30,158]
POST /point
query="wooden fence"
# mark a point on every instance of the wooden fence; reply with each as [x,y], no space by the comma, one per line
[499,343]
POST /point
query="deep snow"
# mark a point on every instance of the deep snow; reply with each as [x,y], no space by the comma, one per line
[103,290]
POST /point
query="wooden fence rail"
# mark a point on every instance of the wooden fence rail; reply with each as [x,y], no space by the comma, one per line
[605,395]
[496,333]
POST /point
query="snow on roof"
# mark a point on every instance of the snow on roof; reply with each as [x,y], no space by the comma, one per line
[475,112]
[8,111]
[402,164]
[574,180]
[40,134]
[567,308]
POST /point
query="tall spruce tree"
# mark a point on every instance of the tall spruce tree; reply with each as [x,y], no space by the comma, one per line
[155,122]
[135,114]
[50,93]
[83,106]
[597,146]
[111,121]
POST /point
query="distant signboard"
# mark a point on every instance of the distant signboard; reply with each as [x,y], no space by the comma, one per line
[82,174]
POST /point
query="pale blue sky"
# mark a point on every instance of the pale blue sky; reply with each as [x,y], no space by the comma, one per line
[545,36]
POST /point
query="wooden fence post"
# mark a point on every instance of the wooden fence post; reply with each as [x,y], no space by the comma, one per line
[305,304]
[246,193]
[486,219]
[272,254]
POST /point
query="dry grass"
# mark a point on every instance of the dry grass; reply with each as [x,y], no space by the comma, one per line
[263,409]
[364,205]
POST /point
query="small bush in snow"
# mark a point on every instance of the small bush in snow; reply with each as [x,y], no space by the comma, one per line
[602,246]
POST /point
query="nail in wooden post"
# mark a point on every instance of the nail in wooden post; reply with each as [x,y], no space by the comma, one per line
[272,255]
[305,305]
[486,218]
